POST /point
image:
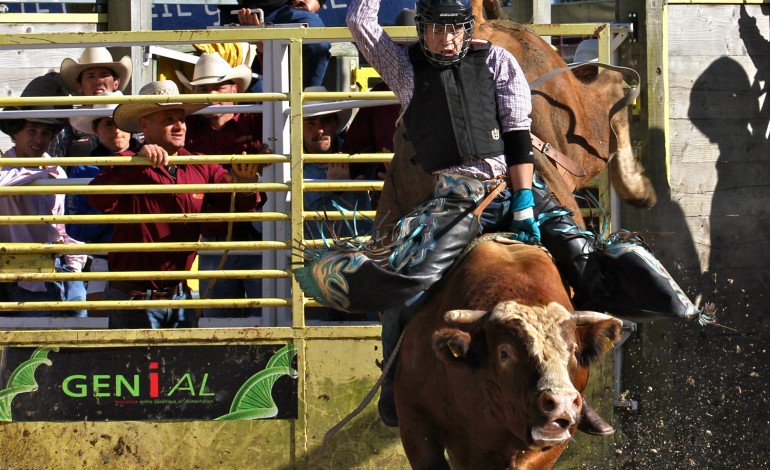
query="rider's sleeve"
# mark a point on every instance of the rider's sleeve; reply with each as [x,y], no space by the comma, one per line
[389,59]
[514,100]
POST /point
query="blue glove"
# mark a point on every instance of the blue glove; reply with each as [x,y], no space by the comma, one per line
[524,224]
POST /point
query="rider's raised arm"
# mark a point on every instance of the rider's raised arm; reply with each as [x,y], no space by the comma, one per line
[387,57]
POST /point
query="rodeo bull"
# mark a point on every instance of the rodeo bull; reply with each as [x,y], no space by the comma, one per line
[493,365]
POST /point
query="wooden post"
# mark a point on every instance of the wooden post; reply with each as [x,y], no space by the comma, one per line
[132,15]
[541,12]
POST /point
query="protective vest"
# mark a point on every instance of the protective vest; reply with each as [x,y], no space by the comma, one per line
[452,118]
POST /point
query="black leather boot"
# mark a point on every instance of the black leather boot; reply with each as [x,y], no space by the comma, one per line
[573,249]
[623,278]
[591,423]
[639,286]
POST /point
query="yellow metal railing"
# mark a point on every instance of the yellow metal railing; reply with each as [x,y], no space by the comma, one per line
[295,158]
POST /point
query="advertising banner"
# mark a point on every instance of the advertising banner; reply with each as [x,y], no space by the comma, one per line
[149,383]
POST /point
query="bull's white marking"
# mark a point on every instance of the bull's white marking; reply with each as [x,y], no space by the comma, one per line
[544,439]
[542,326]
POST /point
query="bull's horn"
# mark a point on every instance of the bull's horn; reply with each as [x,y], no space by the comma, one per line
[584,317]
[463,317]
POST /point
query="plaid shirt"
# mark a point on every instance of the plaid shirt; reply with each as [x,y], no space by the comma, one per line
[514,103]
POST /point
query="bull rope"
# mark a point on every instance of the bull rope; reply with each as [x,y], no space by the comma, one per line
[364,403]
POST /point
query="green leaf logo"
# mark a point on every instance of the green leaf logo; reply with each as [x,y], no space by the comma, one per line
[254,400]
[22,380]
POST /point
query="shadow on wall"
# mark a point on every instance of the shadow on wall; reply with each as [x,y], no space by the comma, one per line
[725,106]
[703,391]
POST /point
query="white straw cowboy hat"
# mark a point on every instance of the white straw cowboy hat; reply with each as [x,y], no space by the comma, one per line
[587,51]
[85,124]
[344,115]
[95,57]
[212,68]
[127,115]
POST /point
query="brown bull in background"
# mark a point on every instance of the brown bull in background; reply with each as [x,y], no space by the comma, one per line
[492,367]
[571,114]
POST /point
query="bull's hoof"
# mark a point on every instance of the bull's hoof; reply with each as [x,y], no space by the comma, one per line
[593,424]
[387,405]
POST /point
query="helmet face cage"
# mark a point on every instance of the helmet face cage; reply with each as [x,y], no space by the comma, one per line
[436,58]
[444,17]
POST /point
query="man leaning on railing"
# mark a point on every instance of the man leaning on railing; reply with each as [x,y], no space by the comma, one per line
[163,125]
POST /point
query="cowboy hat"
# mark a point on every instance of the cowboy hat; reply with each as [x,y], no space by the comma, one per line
[212,68]
[405,18]
[49,84]
[85,124]
[95,57]
[344,115]
[587,51]
[127,115]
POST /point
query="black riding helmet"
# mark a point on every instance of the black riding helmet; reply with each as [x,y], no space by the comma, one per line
[444,14]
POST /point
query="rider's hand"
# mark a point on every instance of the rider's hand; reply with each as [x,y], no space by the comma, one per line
[526,230]
[524,224]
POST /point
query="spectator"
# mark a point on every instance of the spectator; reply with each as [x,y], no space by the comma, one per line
[95,72]
[372,132]
[315,57]
[322,134]
[111,141]
[313,6]
[164,128]
[226,133]
[31,137]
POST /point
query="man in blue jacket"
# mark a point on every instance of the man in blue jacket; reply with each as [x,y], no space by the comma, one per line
[315,57]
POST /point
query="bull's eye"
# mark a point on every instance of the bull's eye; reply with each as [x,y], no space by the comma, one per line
[504,353]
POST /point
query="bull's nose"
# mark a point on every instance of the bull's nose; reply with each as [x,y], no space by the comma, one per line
[563,404]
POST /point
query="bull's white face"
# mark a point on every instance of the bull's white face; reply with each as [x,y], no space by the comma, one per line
[532,359]
[537,343]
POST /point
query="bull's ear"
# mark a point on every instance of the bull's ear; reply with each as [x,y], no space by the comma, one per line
[596,334]
[454,343]
[451,345]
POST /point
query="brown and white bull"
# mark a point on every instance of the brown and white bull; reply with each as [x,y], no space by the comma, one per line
[492,367]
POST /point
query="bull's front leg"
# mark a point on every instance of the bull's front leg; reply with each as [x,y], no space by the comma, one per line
[423,442]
